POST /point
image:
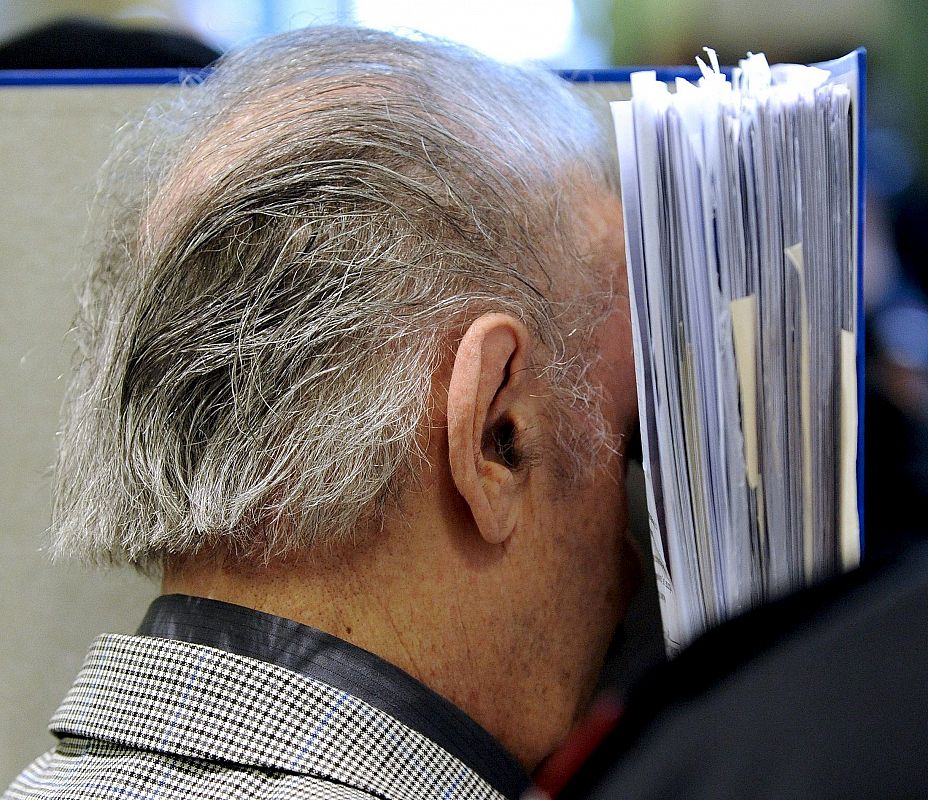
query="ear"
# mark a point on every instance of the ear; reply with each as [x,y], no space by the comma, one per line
[487,402]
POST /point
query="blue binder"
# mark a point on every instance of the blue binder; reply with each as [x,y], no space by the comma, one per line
[664,462]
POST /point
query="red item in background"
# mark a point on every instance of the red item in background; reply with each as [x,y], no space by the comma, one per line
[556,770]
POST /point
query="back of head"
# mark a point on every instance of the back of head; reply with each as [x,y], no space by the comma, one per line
[291,249]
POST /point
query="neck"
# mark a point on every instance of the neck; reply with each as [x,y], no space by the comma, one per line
[419,607]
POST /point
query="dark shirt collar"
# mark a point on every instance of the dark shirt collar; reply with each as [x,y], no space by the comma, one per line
[326,658]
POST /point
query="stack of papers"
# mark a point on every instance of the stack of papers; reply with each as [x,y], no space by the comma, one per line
[740,202]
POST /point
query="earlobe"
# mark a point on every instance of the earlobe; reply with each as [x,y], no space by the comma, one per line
[483,393]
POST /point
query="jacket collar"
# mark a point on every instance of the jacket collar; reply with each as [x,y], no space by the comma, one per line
[342,665]
[199,702]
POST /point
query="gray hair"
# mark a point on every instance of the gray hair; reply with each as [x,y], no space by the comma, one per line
[292,248]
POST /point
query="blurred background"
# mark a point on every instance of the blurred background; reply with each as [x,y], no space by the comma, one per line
[55,610]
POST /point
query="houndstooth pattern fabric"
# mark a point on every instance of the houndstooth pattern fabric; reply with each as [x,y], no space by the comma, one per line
[158,719]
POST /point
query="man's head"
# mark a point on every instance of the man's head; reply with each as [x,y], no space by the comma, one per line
[360,311]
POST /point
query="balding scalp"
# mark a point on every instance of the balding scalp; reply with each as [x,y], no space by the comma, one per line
[292,248]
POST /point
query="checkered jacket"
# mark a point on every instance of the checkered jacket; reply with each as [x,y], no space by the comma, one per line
[158,719]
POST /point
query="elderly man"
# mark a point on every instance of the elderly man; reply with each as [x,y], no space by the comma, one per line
[356,381]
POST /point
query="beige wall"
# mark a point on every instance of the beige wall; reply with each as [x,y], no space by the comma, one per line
[51,143]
